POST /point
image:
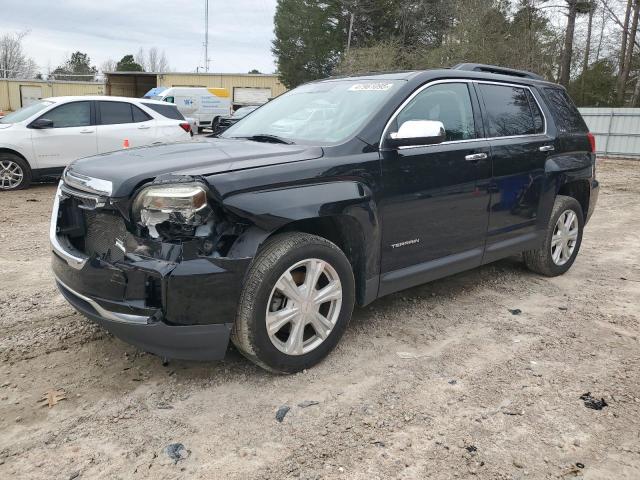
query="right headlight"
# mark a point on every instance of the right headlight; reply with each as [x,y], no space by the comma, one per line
[179,208]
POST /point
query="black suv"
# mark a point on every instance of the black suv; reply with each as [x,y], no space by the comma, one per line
[339,191]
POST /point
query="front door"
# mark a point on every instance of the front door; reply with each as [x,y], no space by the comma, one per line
[73,135]
[435,199]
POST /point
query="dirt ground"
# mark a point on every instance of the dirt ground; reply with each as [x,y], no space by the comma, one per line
[440,381]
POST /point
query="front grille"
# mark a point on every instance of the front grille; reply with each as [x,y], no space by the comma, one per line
[102,232]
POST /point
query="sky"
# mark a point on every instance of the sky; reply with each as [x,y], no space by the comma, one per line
[240,31]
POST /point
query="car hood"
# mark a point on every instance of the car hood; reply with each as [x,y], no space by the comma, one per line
[126,169]
[5,125]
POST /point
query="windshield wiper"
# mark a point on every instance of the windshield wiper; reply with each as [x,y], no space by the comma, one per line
[266,137]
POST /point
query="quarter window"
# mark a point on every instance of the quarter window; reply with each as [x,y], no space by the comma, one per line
[509,111]
[74,114]
[448,103]
[168,111]
[139,115]
[564,111]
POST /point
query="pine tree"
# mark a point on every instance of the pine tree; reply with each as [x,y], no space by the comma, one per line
[310,38]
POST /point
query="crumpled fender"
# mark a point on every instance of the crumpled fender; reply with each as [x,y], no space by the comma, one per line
[270,210]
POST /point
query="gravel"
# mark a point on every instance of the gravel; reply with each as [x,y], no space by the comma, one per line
[380,414]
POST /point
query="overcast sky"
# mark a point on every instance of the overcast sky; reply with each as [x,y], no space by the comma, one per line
[240,31]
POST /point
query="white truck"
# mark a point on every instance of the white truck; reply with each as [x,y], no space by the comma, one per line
[205,105]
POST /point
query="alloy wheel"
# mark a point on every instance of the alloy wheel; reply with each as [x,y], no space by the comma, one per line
[11,175]
[304,306]
[565,237]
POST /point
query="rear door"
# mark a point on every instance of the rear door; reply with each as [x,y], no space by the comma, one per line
[168,119]
[73,135]
[517,132]
[120,121]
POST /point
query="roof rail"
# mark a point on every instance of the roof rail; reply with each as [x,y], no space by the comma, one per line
[479,67]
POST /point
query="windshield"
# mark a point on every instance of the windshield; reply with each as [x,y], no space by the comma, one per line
[25,112]
[317,113]
[241,112]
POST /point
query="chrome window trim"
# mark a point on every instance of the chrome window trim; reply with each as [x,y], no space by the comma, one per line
[468,81]
[527,87]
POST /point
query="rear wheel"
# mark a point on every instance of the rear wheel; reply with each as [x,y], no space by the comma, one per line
[296,303]
[562,240]
[15,173]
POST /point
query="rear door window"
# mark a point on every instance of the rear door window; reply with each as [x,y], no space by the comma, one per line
[74,114]
[114,113]
[564,111]
[168,111]
[509,111]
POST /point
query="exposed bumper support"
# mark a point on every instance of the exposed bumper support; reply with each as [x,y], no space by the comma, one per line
[67,252]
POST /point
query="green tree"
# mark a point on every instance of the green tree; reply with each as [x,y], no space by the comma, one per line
[77,67]
[128,64]
[309,39]
[533,44]
[479,34]
[595,86]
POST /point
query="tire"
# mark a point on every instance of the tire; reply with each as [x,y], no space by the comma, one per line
[277,352]
[11,166]
[542,260]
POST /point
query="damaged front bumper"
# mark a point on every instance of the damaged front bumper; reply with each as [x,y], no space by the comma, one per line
[182,306]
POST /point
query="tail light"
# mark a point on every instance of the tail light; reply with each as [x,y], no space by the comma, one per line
[186,126]
[592,141]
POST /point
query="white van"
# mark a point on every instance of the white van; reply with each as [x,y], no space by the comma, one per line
[203,104]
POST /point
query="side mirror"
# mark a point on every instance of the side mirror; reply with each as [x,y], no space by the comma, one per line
[418,132]
[42,123]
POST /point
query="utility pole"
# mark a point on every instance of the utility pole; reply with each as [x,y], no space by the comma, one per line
[206,36]
[350,31]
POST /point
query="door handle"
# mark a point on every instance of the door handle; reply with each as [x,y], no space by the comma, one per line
[474,157]
[86,130]
[547,148]
[144,127]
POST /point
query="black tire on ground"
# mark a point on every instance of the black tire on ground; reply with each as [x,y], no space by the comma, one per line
[26,170]
[250,334]
[541,261]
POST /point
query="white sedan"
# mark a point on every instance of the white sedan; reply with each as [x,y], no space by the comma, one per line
[40,140]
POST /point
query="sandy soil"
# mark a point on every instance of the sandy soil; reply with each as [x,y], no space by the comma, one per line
[439,381]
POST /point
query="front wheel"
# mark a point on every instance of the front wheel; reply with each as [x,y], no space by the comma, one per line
[295,304]
[562,240]
[15,173]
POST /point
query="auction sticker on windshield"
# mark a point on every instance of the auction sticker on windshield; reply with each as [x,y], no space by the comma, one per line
[368,87]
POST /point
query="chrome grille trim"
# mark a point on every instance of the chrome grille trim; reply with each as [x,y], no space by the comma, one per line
[103,312]
[87,184]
